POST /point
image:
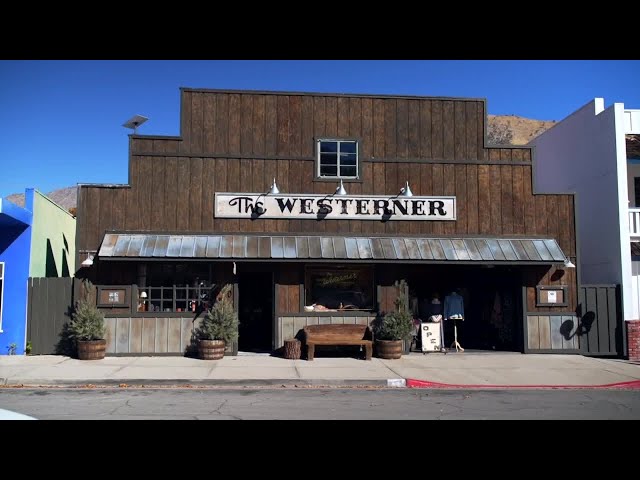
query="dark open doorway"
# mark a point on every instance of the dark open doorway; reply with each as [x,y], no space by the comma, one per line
[255,311]
[491,299]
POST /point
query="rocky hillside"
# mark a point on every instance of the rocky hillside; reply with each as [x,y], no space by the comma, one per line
[65,197]
[523,130]
[501,128]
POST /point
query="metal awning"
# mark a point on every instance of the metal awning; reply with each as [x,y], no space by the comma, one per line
[117,246]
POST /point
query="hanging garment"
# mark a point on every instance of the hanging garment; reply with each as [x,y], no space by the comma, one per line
[435,310]
[413,301]
[453,307]
[435,307]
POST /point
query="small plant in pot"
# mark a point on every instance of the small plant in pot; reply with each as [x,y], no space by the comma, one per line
[87,326]
[219,327]
[394,327]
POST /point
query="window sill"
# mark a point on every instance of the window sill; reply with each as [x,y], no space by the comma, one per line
[337,179]
[154,315]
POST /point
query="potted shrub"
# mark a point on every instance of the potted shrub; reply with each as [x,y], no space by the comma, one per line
[87,326]
[394,327]
[219,327]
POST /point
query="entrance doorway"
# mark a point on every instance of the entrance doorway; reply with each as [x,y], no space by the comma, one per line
[491,299]
[255,312]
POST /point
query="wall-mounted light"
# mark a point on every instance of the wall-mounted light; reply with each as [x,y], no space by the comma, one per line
[340,190]
[88,261]
[406,191]
[259,209]
[568,264]
[274,190]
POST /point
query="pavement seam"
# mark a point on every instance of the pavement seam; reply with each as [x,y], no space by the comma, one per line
[622,374]
[616,360]
[121,368]
[396,373]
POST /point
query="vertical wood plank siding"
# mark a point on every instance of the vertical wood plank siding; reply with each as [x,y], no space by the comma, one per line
[552,332]
[149,335]
[601,331]
[49,302]
[240,141]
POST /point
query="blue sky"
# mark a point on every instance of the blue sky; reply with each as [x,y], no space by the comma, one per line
[61,121]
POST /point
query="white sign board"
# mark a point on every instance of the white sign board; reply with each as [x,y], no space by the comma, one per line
[552,297]
[331,207]
[431,338]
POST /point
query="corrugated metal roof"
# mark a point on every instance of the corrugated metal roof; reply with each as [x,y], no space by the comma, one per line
[546,250]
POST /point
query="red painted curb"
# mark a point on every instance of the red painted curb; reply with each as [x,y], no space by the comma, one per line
[411,383]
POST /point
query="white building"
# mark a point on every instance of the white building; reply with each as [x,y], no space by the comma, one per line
[595,152]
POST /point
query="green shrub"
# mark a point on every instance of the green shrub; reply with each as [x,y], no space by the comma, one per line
[396,325]
[87,322]
[221,320]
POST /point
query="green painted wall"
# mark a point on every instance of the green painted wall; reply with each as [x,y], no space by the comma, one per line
[53,249]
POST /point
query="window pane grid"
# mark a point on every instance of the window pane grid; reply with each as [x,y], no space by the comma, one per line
[176,299]
[338,158]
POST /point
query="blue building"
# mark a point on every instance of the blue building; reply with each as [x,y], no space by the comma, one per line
[15,247]
[35,241]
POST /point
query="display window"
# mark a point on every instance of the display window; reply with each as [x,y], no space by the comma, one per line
[335,289]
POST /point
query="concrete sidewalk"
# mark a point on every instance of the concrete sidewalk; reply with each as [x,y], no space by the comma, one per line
[433,370]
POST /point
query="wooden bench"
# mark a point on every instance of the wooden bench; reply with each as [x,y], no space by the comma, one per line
[338,335]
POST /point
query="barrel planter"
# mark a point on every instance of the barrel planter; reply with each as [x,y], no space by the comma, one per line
[211,349]
[389,349]
[91,349]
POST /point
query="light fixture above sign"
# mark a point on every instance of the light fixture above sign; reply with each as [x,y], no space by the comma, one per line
[340,191]
[274,190]
[406,190]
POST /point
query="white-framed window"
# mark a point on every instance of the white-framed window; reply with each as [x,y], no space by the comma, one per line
[337,158]
[1,291]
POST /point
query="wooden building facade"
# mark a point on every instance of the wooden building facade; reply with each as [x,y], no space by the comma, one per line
[163,233]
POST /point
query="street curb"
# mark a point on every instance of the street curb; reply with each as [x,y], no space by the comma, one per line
[179,382]
[412,383]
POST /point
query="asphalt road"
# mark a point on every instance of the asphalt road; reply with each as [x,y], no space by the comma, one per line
[320,404]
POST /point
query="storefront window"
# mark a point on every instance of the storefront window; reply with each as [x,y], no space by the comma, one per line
[177,288]
[339,288]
